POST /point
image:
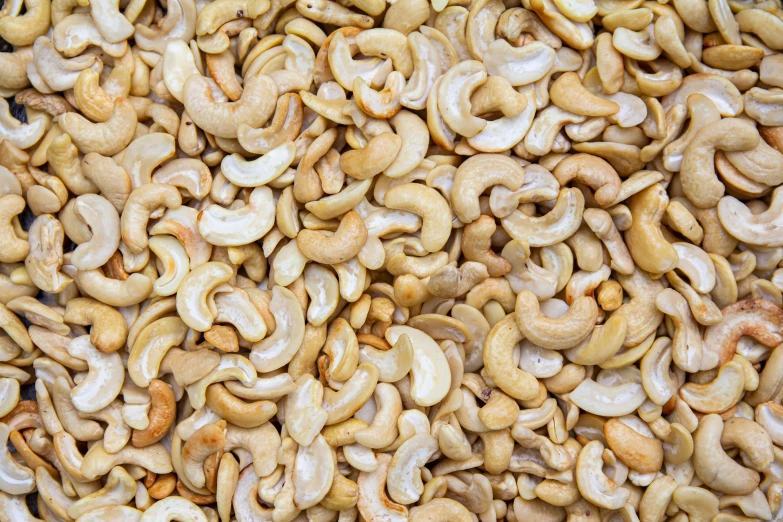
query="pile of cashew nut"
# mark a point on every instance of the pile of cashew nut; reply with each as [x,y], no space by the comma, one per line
[391,260]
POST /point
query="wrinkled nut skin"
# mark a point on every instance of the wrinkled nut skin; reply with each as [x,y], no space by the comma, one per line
[405,261]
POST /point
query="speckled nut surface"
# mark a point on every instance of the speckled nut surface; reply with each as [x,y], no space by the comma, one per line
[391,261]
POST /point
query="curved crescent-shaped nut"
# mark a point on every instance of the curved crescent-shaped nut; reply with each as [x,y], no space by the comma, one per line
[16,478]
[24,29]
[354,393]
[608,401]
[711,464]
[260,171]
[563,332]
[373,503]
[285,126]
[236,227]
[645,241]
[519,65]
[161,416]
[601,223]
[175,264]
[427,203]
[223,119]
[756,318]
[151,345]
[107,138]
[104,378]
[477,246]
[14,65]
[764,228]
[393,364]
[383,430]
[279,348]
[751,438]
[236,411]
[499,362]
[195,303]
[557,225]
[453,94]
[430,373]
[22,135]
[718,395]
[109,330]
[384,103]
[189,174]
[636,450]
[766,25]
[98,461]
[404,475]
[592,171]
[476,175]
[568,93]
[347,241]
[12,248]
[120,488]
[205,441]
[593,484]
[104,223]
[697,173]
[373,158]
[146,153]
[136,214]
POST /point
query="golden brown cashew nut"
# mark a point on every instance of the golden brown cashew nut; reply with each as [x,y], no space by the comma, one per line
[13,248]
[476,246]
[557,225]
[498,361]
[427,203]
[640,452]
[645,241]
[346,242]
[223,119]
[141,203]
[107,138]
[755,318]
[556,334]
[592,171]
[161,415]
[109,330]
[24,29]
[476,175]
[568,93]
